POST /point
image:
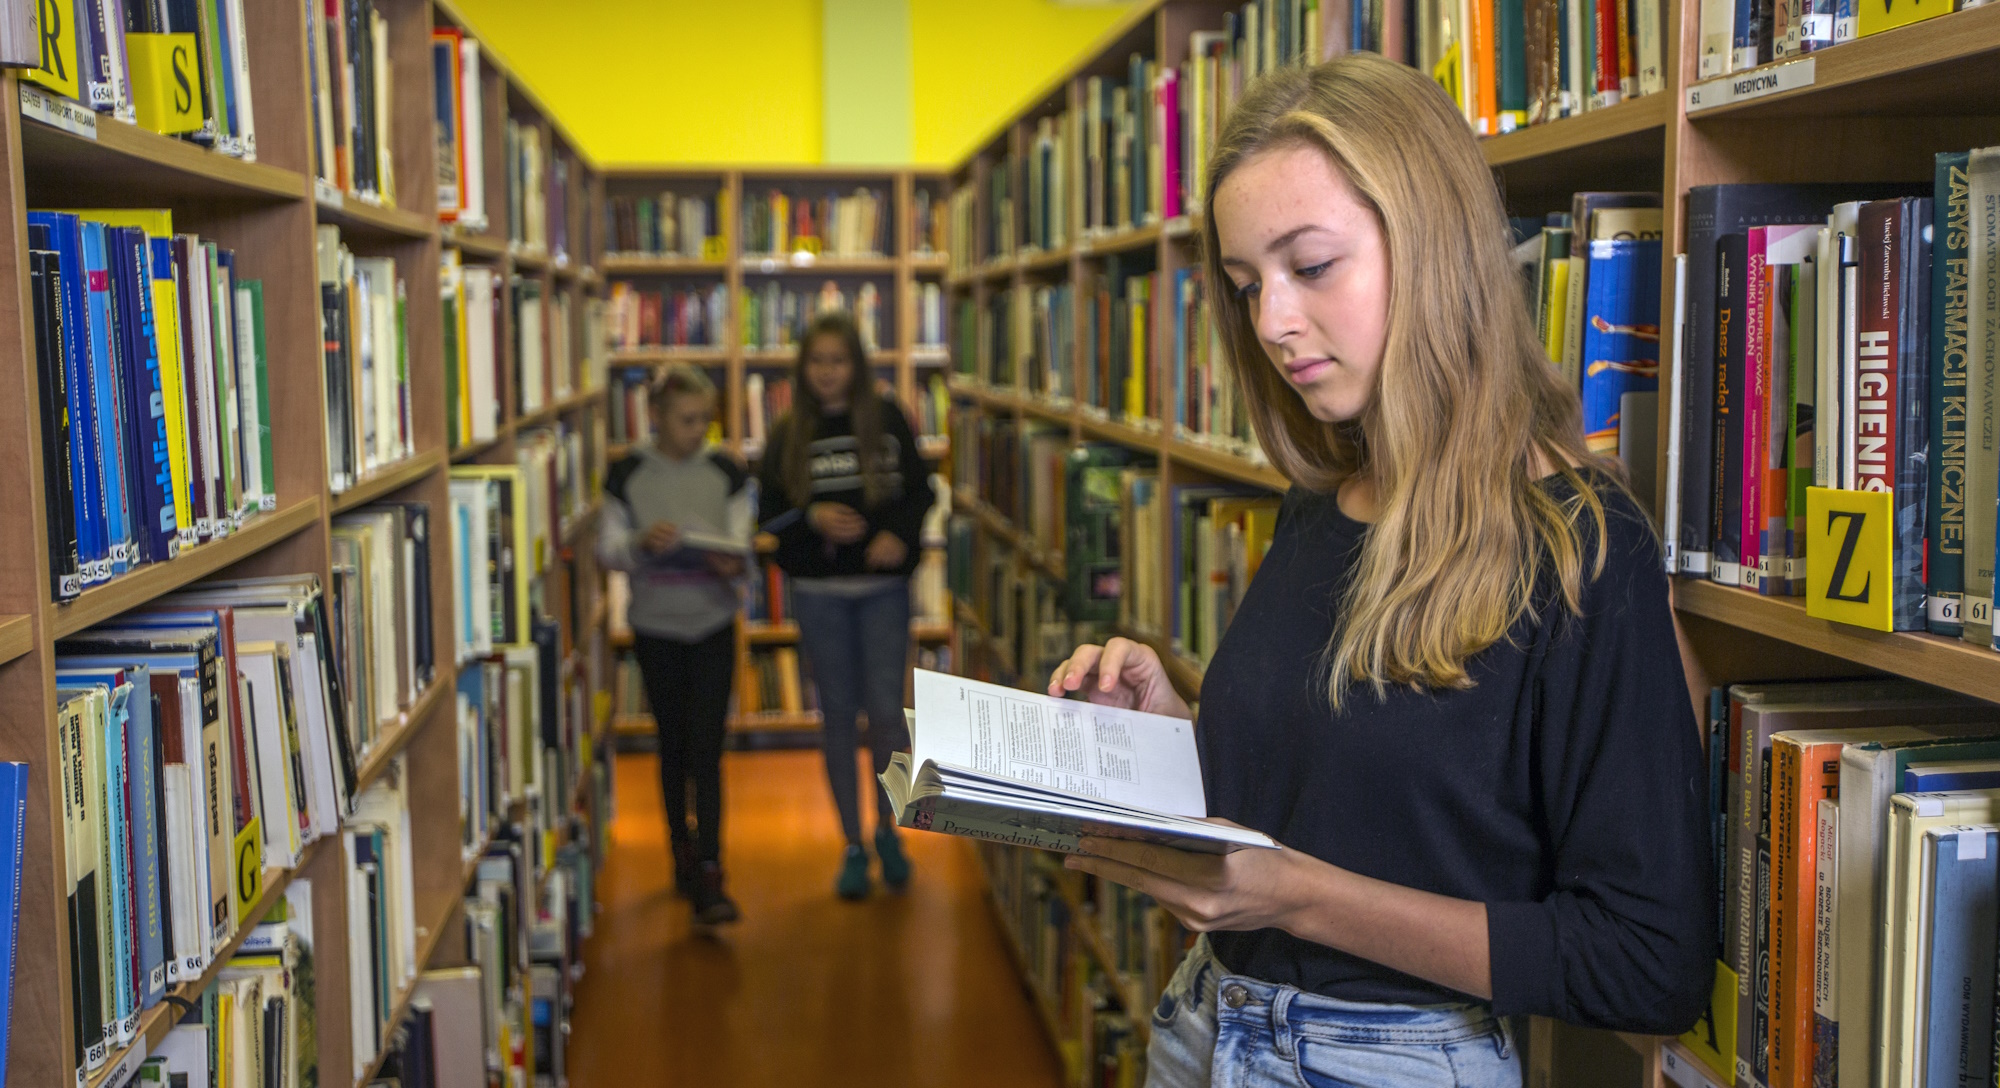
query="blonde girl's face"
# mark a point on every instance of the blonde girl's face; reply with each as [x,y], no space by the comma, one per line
[1308,258]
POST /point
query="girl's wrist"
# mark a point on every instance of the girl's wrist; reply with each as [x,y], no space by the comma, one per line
[1312,897]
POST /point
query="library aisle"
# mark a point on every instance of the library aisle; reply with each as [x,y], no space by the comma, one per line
[910,990]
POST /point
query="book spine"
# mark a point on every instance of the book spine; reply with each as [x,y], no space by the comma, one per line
[1951,406]
[1745,42]
[147,409]
[1758,1039]
[1755,335]
[1699,373]
[1876,360]
[1912,446]
[65,563]
[1803,773]
[1974,287]
[1952,1040]
[1731,333]
[1826,955]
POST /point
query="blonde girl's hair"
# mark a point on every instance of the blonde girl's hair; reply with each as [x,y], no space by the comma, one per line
[1466,403]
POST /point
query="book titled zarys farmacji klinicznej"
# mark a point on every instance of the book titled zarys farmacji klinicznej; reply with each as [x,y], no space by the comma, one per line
[996,763]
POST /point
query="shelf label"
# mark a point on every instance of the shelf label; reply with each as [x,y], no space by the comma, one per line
[127,1068]
[63,113]
[1850,551]
[1756,83]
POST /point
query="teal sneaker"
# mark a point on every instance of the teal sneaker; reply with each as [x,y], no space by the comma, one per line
[895,863]
[853,880]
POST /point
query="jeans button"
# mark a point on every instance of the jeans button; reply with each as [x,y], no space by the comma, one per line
[1235,996]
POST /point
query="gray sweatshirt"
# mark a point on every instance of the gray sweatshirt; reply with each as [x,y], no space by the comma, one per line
[676,595]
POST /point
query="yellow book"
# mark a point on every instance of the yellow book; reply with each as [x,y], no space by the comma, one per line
[1558,308]
[790,698]
[158,223]
[1876,16]
[55,25]
[1135,375]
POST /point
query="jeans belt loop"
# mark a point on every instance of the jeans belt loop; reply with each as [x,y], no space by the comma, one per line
[1281,1026]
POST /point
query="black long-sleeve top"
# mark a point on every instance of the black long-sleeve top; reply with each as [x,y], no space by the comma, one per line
[1565,790]
[836,477]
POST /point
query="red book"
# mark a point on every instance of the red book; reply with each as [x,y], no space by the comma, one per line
[1605,66]
[1879,238]
[1756,388]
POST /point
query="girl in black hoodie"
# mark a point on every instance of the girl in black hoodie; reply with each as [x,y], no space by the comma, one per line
[845,492]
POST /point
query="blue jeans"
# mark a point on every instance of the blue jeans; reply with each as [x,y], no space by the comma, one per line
[1226,1031]
[859,652]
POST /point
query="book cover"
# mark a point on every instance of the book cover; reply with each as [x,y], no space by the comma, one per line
[1981,332]
[1621,336]
[108,389]
[1954,1031]
[1952,410]
[13,826]
[65,561]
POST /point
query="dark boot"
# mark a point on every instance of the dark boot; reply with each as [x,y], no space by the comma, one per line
[712,906]
[895,864]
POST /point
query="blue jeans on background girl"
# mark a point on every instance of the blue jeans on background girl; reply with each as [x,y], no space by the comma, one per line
[1226,1031]
[858,647]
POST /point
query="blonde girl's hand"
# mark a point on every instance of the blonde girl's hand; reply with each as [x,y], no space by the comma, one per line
[1120,673]
[1240,890]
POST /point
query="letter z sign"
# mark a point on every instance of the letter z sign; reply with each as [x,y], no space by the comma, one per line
[1850,539]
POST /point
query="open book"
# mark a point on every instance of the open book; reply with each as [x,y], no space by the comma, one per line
[1018,767]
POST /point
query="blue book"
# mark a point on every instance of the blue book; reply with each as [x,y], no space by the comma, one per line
[1955,1020]
[1621,333]
[104,368]
[87,483]
[149,482]
[13,817]
[1958,774]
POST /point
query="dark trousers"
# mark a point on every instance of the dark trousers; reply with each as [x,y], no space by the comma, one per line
[687,685]
[859,650]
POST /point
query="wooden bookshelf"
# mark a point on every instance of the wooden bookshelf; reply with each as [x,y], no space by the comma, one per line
[267,211]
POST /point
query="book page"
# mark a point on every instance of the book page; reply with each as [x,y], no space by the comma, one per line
[1124,756]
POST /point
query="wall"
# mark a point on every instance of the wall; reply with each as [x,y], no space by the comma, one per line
[977,62]
[681,81]
[669,81]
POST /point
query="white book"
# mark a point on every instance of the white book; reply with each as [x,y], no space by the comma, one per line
[187,956]
[479,348]
[1015,766]
[458,1030]
[362,1024]
[1903,928]
[472,138]
[271,726]
[239,70]
[1671,523]
[1826,923]
[185,1050]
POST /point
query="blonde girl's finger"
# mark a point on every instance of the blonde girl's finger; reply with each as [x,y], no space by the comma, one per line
[1111,667]
[1079,665]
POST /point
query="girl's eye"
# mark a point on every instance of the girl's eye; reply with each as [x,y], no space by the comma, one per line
[1314,272]
[1246,290]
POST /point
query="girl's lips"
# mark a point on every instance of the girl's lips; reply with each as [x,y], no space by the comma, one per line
[1303,371]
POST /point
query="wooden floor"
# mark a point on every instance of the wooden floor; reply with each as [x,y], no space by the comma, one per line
[906,990]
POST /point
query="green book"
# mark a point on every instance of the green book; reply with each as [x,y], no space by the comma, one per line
[1945,533]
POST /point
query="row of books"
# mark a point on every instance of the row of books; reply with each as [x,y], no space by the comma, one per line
[471,296]
[348,72]
[667,316]
[255,1025]
[771,683]
[543,355]
[115,56]
[1079,999]
[631,419]
[1840,336]
[930,316]
[765,402]
[460,113]
[492,560]
[1855,837]
[1738,36]
[155,404]
[775,317]
[666,224]
[365,353]
[932,417]
[534,190]
[829,224]
[248,677]
[927,233]
[1596,304]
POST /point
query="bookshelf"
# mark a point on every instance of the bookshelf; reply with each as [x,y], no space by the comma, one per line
[1873,109]
[726,258]
[267,211]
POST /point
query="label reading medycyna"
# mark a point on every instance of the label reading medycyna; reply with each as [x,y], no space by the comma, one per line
[1775,79]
